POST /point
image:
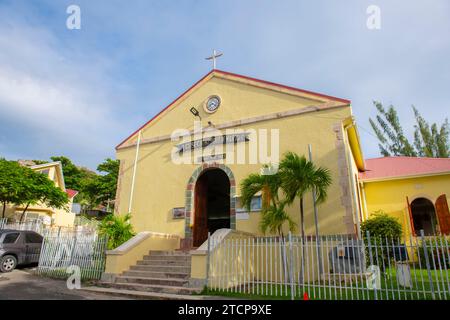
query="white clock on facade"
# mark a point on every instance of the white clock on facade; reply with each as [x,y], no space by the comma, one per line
[212,104]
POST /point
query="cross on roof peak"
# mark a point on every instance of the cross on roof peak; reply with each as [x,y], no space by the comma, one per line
[214,56]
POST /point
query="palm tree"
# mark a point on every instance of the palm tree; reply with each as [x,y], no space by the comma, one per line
[273,215]
[300,176]
[273,218]
[118,228]
[268,185]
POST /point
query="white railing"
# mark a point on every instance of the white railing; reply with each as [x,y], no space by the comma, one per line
[331,267]
[68,253]
[45,230]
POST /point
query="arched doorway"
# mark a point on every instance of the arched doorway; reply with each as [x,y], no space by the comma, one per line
[211,204]
[187,241]
[424,216]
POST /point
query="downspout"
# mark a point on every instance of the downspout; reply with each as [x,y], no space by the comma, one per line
[363,191]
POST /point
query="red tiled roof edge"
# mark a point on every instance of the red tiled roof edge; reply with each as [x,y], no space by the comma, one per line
[71,193]
[392,167]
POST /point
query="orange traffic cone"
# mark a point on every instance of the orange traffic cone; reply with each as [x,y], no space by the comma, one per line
[305,296]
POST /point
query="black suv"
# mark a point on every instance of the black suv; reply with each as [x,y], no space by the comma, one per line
[18,247]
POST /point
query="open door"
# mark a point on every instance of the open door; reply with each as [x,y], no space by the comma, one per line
[411,221]
[200,228]
[443,214]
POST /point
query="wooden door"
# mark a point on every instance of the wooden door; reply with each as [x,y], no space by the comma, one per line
[411,221]
[443,214]
[200,228]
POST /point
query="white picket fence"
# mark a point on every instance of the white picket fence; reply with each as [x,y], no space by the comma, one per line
[45,230]
[331,267]
[68,253]
[67,250]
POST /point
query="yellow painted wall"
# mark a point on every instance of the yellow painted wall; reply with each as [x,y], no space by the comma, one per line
[390,196]
[160,185]
[121,258]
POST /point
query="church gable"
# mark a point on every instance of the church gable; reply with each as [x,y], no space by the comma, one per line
[238,98]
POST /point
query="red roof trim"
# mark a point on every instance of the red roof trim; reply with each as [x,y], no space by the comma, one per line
[238,76]
[283,86]
[71,193]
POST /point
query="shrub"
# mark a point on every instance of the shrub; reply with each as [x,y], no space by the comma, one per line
[118,229]
[382,226]
[437,251]
[385,232]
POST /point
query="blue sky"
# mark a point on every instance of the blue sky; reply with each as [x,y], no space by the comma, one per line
[80,92]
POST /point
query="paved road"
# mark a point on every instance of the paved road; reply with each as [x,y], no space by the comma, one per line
[24,284]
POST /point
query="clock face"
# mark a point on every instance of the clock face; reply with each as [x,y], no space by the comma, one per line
[212,104]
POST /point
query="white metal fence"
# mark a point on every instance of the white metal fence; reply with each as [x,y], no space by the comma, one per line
[45,230]
[67,253]
[80,246]
[331,267]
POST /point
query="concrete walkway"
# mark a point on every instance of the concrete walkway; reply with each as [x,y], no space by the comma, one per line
[24,284]
[151,295]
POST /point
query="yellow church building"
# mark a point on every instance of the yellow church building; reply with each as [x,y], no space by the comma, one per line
[201,194]
[180,172]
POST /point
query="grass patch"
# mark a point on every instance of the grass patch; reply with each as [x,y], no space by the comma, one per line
[390,289]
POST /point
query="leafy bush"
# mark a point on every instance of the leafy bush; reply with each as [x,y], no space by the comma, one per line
[381,227]
[385,232]
[118,229]
[437,251]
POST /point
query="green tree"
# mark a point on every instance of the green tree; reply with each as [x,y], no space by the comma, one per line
[118,229]
[34,188]
[429,140]
[268,185]
[72,174]
[273,219]
[11,178]
[389,132]
[300,176]
[102,188]
[22,186]
[273,214]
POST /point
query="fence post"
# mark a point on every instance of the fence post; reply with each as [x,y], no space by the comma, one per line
[427,261]
[207,259]
[371,261]
[73,249]
[291,274]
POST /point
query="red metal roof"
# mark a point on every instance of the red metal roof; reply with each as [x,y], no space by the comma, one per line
[71,193]
[238,76]
[394,167]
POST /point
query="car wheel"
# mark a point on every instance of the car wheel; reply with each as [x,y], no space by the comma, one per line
[8,263]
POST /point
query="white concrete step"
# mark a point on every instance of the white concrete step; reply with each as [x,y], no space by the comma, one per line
[151,288]
[157,281]
[169,253]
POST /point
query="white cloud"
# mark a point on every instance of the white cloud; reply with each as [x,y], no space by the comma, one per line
[50,93]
